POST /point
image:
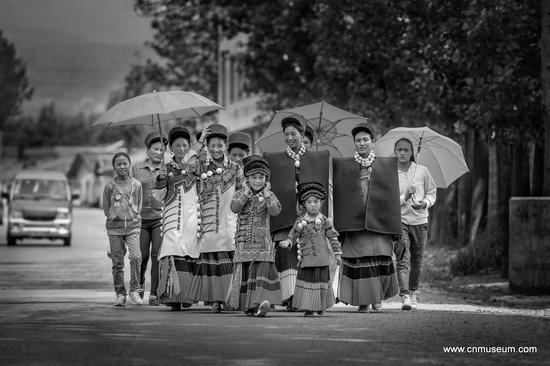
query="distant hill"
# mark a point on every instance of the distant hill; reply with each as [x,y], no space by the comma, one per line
[77,76]
[76,51]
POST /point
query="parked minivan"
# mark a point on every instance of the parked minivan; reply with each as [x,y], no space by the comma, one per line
[39,206]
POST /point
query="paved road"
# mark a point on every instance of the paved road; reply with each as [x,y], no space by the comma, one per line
[56,308]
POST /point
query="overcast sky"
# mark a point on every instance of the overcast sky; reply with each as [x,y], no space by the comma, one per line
[76,51]
[106,21]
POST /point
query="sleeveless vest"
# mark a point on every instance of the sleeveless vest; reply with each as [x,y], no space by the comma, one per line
[381,212]
[314,167]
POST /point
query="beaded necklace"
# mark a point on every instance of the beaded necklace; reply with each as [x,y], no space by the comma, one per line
[219,170]
[296,155]
[365,162]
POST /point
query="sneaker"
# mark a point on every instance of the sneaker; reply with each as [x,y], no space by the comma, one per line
[135,299]
[363,308]
[377,306]
[120,300]
[263,309]
[406,302]
[153,300]
[414,303]
[250,312]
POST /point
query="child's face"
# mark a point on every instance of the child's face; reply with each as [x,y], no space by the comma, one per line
[237,154]
[313,205]
[121,166]
[256,181]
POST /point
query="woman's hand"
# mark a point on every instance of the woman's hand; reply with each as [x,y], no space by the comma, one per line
[284,243]
[419,205]
[163,173]
[204,133]
[410,192]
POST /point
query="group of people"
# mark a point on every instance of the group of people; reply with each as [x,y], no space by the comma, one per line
[248,232]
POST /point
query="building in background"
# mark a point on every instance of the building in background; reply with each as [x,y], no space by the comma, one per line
[241,112]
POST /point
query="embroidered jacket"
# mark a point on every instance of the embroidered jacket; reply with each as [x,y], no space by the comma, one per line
[311,239]
[218,223]
[180,213]
[253,238]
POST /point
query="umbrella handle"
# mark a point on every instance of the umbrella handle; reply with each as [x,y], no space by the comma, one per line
[162,147]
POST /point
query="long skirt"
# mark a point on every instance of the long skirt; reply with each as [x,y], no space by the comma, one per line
[259,282]
[313,289]
[212,277]
[176,275]
[367,280]
[286,260]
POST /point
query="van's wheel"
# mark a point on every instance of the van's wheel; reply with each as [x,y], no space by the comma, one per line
[67,242]
[11,240]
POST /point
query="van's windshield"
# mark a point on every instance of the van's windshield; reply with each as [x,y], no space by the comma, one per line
[40,188]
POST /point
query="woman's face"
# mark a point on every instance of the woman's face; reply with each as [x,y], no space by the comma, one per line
[307,142]
[121,165]
[154,152]
[363,143]
[216,147]
[293,137]
[180,147]
[403,151]
[237,154]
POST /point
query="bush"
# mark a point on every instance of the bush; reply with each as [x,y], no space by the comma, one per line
[488,256]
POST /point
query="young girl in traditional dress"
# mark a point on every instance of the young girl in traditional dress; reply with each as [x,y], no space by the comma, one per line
[179,250]
[313,292]
[255,283]
[122,206]
[217,180]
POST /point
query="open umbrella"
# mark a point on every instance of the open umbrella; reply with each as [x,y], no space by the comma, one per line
[165,105]
[441,155]
[331,128]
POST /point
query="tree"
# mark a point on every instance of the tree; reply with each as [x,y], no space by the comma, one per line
[14,86]
[468,68]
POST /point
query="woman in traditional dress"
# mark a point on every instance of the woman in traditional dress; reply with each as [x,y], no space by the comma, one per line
[367,213]
[217,180]
[179,250]
[288,169]
[255,278]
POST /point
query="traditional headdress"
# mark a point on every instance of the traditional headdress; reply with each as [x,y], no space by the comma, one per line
[309,189]
[256,164]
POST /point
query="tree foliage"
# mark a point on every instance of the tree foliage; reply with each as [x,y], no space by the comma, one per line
[14,86]
[453,64]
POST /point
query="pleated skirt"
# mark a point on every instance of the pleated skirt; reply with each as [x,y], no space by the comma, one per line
[259,283]
[184,268]
[286,260]
[367,280]
[313,289]
[211,277]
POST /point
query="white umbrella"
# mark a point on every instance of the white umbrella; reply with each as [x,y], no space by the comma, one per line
[165,105]
[331,128]
[441,155]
